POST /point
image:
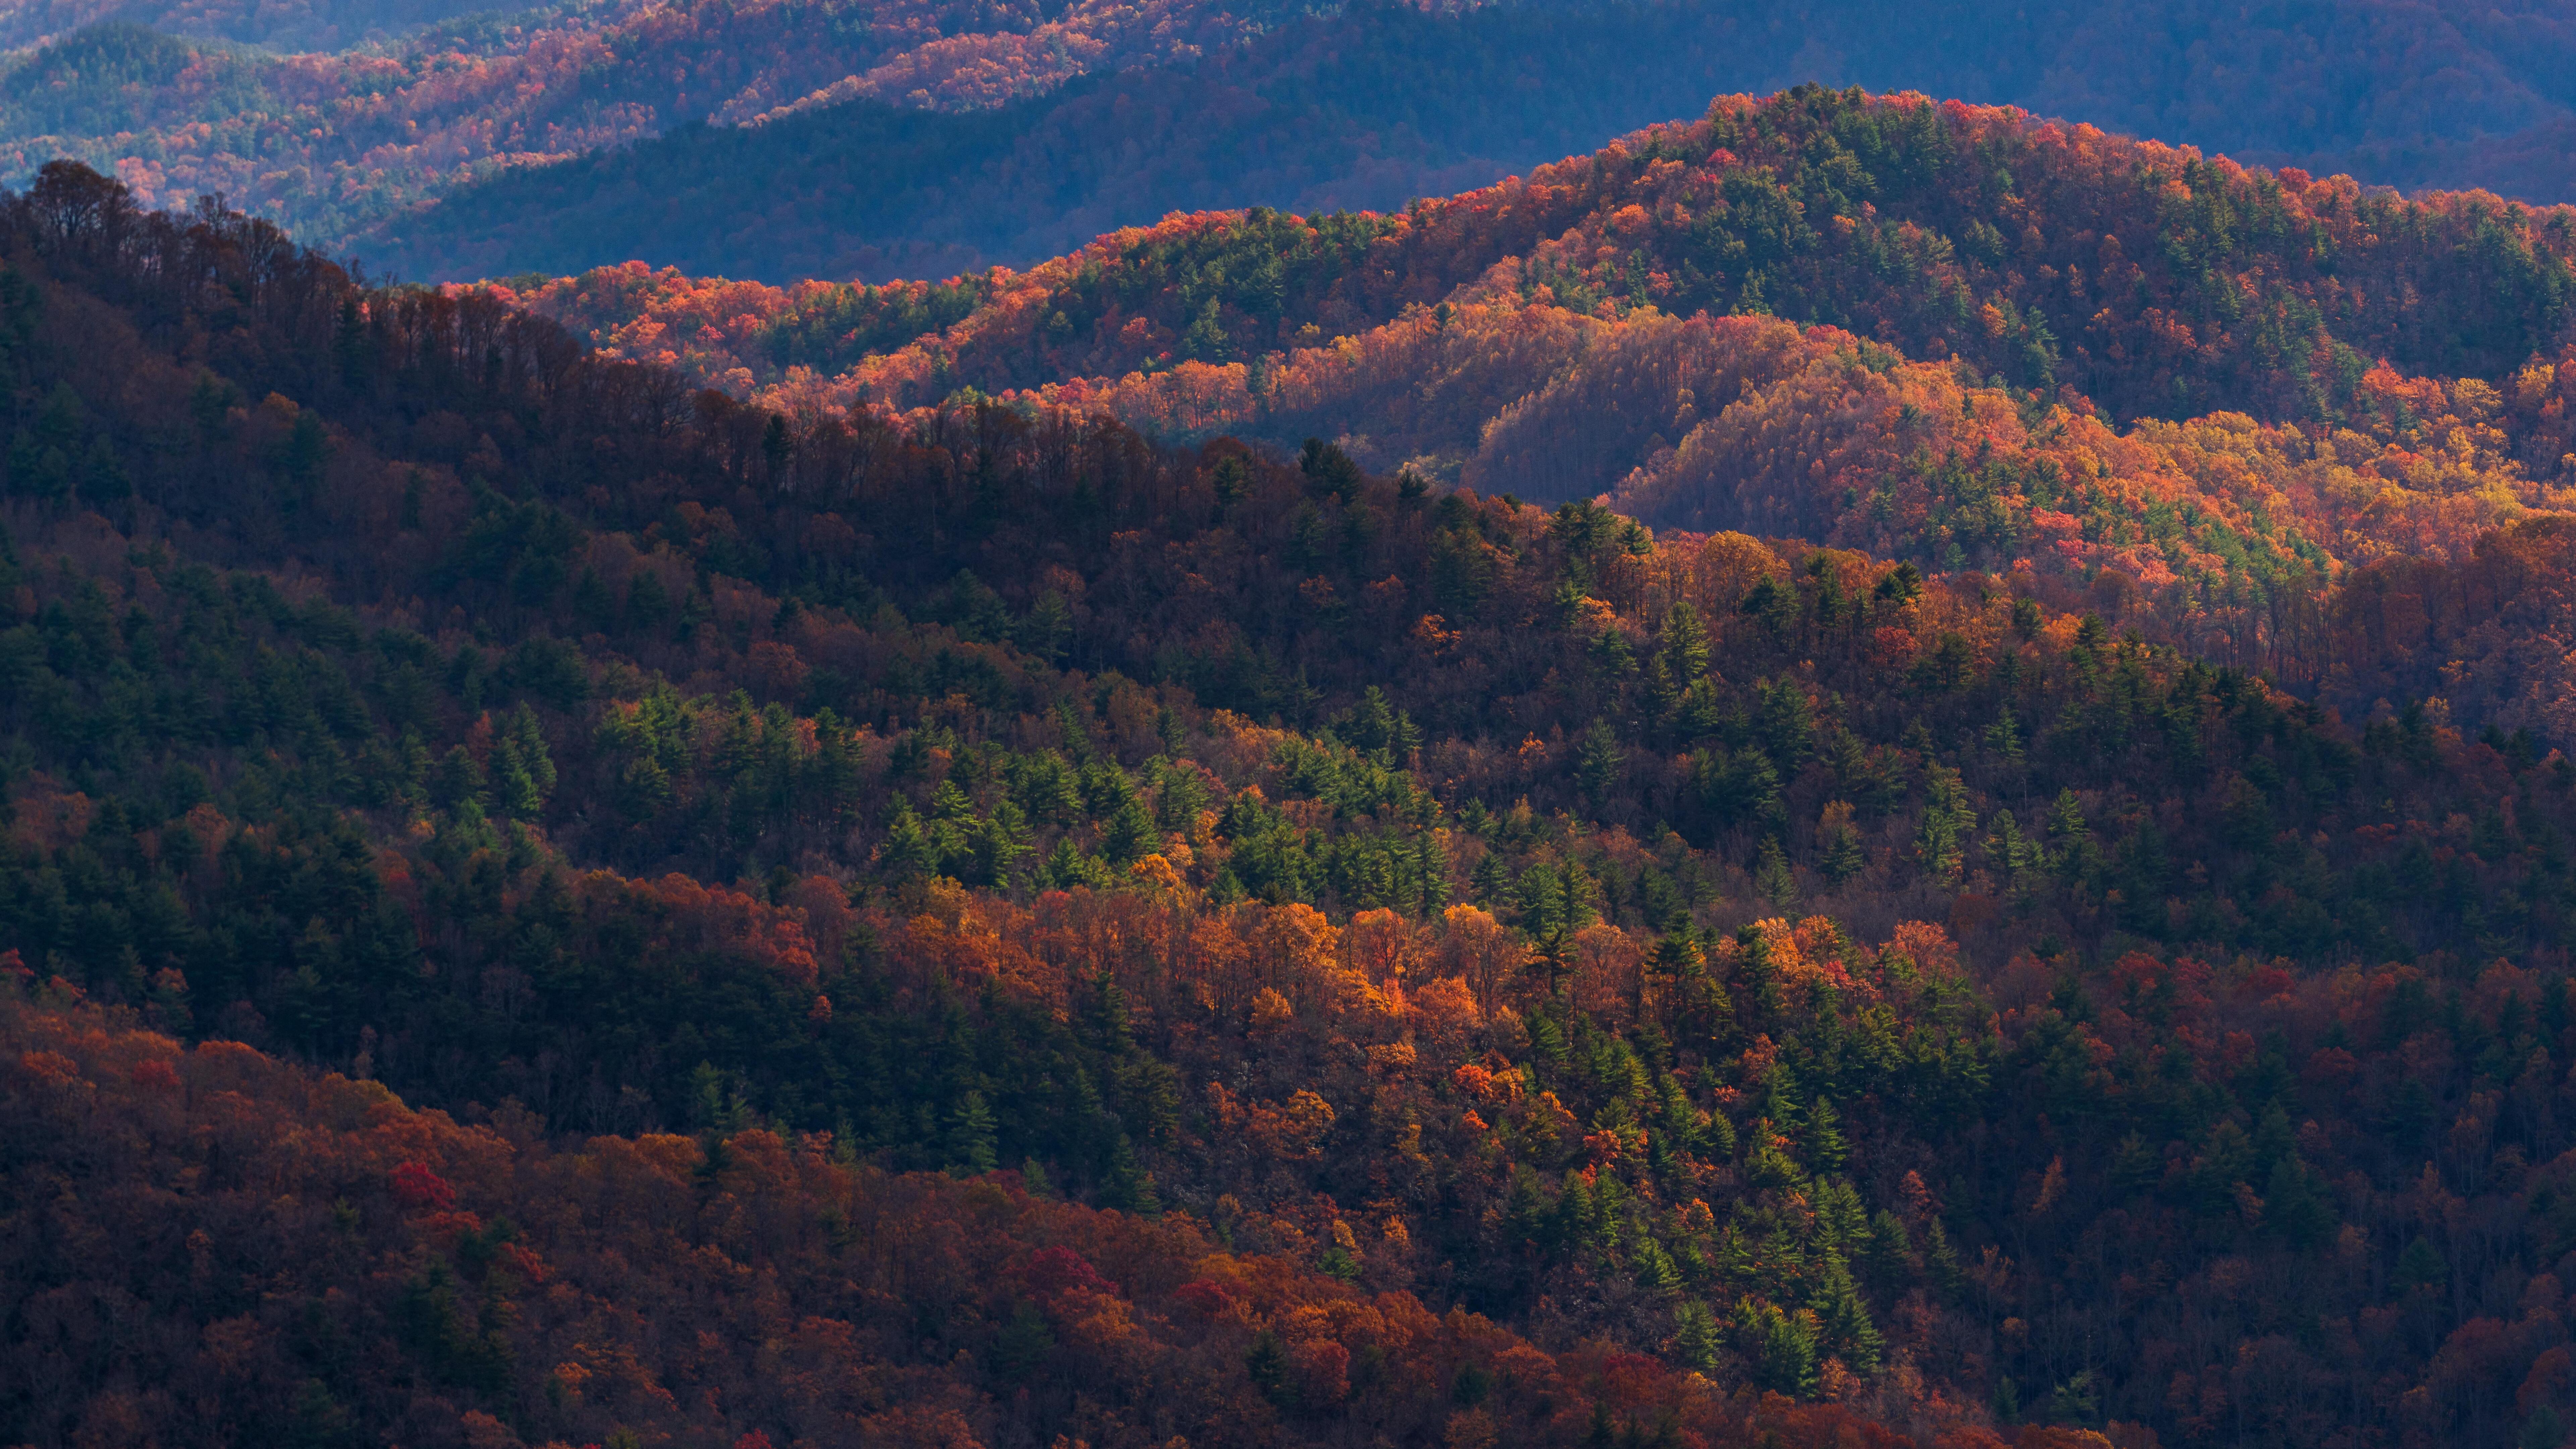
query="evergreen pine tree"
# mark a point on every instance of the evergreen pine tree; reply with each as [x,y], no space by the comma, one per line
[1067,868]
[1773,880]
[514,787]
[1941,843]
[1941,1261]
[1825,1149]
[1684,643]
[1001,845]
[1429,870]
[1597,761]
[1695,1336]
[460,779]
[1700,714]
[1129,1187]
[970,1137]
[530,737]
[1847,1331]
[1891,1251]
[1105,1017]
[1844,856]
[908,854]
[1266,1364]
[1655,1270]
[1129,835]
[2073,852]
[1663,692]
[1023,1343]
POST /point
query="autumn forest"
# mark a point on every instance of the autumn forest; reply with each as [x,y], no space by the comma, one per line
[1859,771]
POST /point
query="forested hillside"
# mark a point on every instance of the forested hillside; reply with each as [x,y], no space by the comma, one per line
[1387,104]
[1365,111]
[476,1286]
[1067,935]
[2150,279]
[1553,338]
[333,141]
[840,138]
[309,25]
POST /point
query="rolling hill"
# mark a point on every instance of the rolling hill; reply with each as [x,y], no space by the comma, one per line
[1857,772]
[1381,105]
[443,145]
[1953,335]
[331,141]
[543,905]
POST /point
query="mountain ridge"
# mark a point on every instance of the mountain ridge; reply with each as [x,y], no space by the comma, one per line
[1896,230]
[342,142]
[535,895]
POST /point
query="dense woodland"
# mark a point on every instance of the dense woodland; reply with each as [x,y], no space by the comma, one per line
[545,905]
[334,141]
[308,25]
[1553,338]
[887,139]
[1384,104]
[2153,280]
[476,1285]
[1365,110]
